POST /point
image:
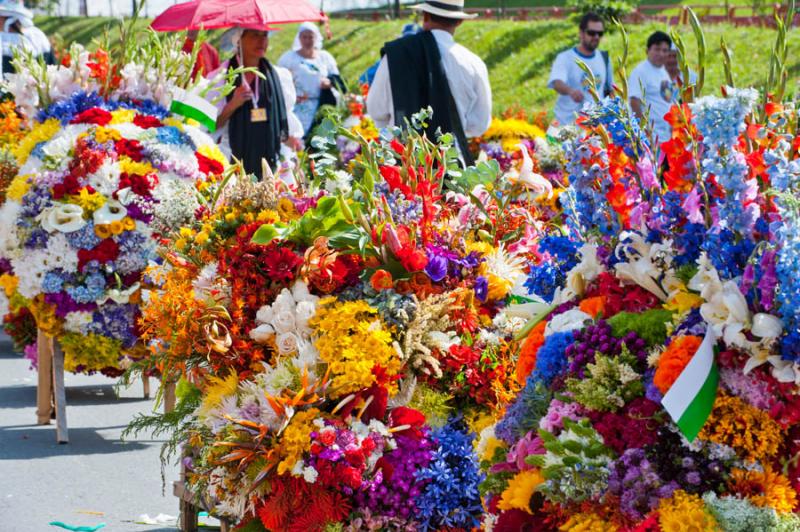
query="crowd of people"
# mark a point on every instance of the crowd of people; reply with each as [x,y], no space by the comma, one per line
[274,113]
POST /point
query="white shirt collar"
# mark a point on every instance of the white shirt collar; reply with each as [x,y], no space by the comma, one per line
[444,37]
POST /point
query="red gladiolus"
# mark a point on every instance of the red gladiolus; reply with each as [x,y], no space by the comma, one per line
[391,174]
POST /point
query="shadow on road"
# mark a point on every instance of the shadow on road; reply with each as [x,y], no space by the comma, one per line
[25,396]
[31,442]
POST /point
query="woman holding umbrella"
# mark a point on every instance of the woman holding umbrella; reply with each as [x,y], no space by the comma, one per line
[256,118]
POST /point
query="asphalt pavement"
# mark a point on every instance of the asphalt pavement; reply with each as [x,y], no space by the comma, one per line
[96,477]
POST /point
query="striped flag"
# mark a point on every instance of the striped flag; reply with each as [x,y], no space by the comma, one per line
[191,105]
[690,399]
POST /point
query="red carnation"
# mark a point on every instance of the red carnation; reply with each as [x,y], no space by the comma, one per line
[140,184]
[207,165]
[147,121]
[129,148]
[95,115]
[106,251]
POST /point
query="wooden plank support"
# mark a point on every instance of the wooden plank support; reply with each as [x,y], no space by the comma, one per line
[44,387]
[62,433]
[146,386]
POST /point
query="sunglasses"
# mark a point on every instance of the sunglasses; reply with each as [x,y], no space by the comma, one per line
[593,33]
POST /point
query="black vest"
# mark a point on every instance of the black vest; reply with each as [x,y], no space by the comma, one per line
[252,141]
[418,80]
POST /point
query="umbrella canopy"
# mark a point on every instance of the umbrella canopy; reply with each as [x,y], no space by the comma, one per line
[212,14]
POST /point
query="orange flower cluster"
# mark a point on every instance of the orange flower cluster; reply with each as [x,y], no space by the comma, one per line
[527,355]
[748,430]
[674,359]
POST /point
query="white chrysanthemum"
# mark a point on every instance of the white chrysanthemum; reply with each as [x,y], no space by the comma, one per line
[567,321]
[61,254]
[9,242]
[77,321]
[4,304]
[505,265]
[105,179]
[129,130]
[30,271]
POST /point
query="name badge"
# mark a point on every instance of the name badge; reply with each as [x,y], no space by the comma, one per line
[259,114]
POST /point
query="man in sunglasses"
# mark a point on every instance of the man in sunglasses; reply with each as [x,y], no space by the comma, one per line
[570,81]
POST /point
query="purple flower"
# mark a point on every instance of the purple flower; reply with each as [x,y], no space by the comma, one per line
[436,267]
[481,288]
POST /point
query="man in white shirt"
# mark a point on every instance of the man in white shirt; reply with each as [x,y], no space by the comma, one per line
[431,69]
[650,88]
[570,81]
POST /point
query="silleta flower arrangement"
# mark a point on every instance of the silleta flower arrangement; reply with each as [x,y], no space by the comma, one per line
[340,346]
[105,170]
[661,386]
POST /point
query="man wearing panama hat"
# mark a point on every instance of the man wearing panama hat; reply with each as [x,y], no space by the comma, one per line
[431,69]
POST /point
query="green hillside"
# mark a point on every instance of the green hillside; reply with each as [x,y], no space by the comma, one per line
[518,54]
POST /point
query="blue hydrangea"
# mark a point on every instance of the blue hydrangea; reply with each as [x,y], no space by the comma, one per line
[92,288]
[83,238]
[53,282]
[451,498]
[116,321]
[174,136]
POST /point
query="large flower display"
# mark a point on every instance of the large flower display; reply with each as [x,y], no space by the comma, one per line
[618,426]
[104,171]
[339,347]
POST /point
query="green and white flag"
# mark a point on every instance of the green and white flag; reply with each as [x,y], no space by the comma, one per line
[194,106]
[690,399]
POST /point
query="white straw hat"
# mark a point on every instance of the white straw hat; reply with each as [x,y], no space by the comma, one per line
[445,8]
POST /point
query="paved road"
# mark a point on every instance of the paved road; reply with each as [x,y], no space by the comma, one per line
[41,481]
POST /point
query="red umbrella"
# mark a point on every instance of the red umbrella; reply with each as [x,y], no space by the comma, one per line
[212,14]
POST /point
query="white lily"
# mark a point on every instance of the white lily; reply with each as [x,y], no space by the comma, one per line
[641,264]
[726,311]
[529,179]
[586,271]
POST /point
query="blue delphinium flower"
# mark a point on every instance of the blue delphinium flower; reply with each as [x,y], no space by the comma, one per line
[524,413]
[66,110]
[727,253]
[146,107]
[551,360]
[451,498]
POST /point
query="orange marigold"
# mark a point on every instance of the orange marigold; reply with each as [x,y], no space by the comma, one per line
[674,359]
[748,430]
[767,488]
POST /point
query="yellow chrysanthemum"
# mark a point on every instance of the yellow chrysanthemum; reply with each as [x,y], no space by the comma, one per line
[768,489]
[286,210]
[484,248]
[131,167]
[512,128]
[587,522]
[91,351]
[19,187]
[218,388]
[683,301]
[122,116]
[212,151]
[174,122]
[106,134]
[517,496]
[685,512]
[40,133]
[296,439]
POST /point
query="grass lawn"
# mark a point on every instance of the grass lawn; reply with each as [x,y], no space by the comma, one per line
[517,54]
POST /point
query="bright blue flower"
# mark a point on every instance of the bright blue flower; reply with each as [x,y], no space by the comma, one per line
[451,498]
[551,361]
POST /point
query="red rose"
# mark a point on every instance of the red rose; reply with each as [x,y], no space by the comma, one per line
[207,165]
[95,115]
[147,121]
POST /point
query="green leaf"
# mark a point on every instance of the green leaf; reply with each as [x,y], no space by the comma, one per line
[265,234]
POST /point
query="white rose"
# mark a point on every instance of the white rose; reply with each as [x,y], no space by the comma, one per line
[264,314]
[287,343]
[283,322]
[284,302]
[304,311]
[262,333]
[300,292]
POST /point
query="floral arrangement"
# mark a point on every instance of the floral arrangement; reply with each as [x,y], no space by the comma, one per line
[104,171]
[662,266]
[505,138]
[316,334]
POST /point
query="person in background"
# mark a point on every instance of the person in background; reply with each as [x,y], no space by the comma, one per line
[369,74]
[650,88]
[570,81]
[431,69]
[256,118]
[12,37]
[316,75]
[207,55]
[674,69]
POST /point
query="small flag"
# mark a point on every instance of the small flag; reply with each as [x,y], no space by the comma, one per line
[191,105]
[690,399]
